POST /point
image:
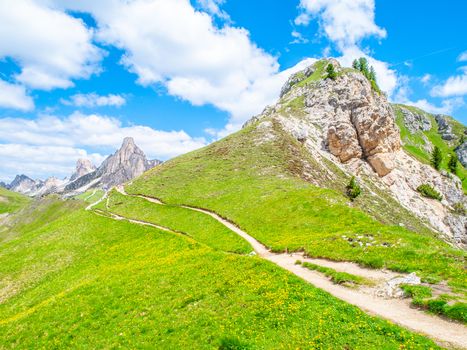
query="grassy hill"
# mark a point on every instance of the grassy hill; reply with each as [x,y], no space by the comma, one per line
[11,201]
[79,280]
[256,186]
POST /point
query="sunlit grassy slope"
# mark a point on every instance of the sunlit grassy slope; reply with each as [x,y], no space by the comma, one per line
[256,184]
[84,281]
[199,226]
[11,201]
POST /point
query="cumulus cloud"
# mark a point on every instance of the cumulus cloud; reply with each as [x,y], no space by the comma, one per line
[14,96]
[39,162]
[64,140]
[95,100]
[170,43]
[213,7]
[345,22]
[50,46]
[453,86]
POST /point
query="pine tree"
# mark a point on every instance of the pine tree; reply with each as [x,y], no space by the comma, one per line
[372,76]
[436,158]
[452,164]
[331,71]
[356,64]
[364,66]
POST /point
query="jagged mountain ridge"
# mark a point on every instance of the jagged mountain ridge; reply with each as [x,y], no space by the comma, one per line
[125,164]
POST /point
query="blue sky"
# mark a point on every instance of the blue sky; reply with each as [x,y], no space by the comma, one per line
[176,75]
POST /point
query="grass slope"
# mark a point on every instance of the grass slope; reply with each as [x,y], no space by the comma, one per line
[414,143]
[11,201]
[255,185]
[199,226]
[84,281]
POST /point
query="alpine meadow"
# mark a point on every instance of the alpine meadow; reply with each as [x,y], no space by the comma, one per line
[211,174]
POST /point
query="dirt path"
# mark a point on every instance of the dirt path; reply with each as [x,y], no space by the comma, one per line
[446,333]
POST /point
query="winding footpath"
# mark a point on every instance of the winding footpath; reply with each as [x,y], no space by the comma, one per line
[444,332]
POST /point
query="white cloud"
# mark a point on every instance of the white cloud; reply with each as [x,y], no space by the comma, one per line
[64,140]
[403,92]
[454,86]
[298,38]
[426,78]
[168,42]
[345,22]
[447,106]
[50,47]
[15,97]
[213,7]
[462,57]
[94,100]
[40,162]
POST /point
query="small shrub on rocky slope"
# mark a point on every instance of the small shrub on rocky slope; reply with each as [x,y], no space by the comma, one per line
[436,158]
[429,192]
[353,189]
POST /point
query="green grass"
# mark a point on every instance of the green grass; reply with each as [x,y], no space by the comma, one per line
[84,281]
[422,297]
[413,142]
[199,226]
[337,277]
[11,201]
[257,187]
[90,196]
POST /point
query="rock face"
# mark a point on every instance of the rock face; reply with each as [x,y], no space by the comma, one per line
[125,164]
[415,121]
[461,152]
[444,128]
[348,128]
[360,121]
[83,167]
[23,184]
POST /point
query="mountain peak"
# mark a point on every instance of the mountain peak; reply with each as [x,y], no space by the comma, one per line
[83,166]
[128,142]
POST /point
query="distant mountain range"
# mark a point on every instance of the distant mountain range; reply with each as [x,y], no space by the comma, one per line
[125,164]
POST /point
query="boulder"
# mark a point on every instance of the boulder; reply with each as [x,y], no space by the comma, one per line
[382,163]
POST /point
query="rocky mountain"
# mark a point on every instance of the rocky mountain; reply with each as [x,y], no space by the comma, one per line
[349,128]
[83,167]
[24,184]
[125,164]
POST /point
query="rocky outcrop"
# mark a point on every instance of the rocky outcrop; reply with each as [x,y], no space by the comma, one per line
[461,152]
[348,128]
[415,121]
[444,127]
[83,167]
[343,141]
